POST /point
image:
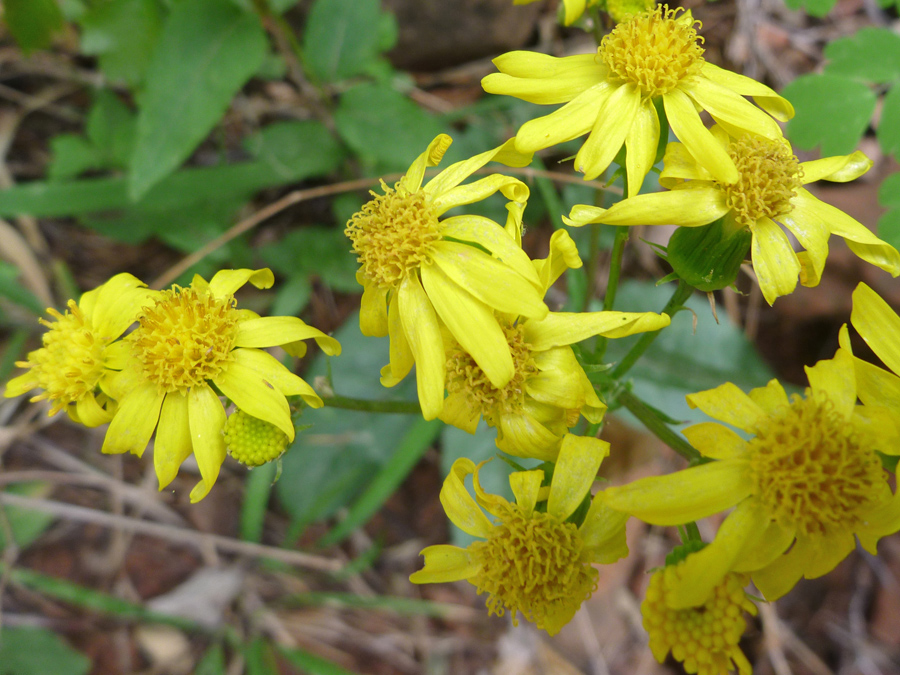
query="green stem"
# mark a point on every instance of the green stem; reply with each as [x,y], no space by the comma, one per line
[679,297]
[347,403]
[657,427]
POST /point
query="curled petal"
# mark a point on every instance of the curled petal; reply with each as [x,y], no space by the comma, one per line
[458,503]
[227,282]
[839,169]
[444,563]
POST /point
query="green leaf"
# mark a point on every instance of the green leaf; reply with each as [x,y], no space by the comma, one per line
[256,500]
[871,54]
[259,659]
[36,651]
[206,53]
[832,111]
[383,127]
[72,156]
[212,663]
[316,253]
[889,192]
[812,7]
[32,22]
[339,40]
[889,197]
[12,289]
[310,664]
[122,35]
[889,125]
[111,127]
[27,525]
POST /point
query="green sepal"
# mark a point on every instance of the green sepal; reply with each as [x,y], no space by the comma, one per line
[681,552]
[708,257]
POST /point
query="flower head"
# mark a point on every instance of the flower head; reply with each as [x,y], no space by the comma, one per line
[73,365]
[807,481]
[420,272]
[533,560]
[704,638]
[651,56]
[191,340]
[549,389]
[767,192]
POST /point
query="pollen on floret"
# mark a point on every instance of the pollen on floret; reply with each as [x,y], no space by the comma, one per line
[467,377]
[705,638]
[655,51]
[252,441]
[393,235]
[813,470]
[768,177]
[186,338]
[532,564]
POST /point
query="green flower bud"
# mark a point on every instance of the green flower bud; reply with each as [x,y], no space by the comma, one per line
[708,257]
[252,441]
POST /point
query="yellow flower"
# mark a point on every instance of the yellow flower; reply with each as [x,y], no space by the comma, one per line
[419,272]
[191,340]
[72,366]
[533,560]
[549,388]
[704,638]
[767,191]
[807,481]
[610,95]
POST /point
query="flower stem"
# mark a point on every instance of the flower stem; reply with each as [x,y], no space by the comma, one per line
[657,427]
[681,294]
[366,405]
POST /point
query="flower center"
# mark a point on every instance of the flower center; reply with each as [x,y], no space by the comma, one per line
[704,638]
[253,441]
[532,564]
[70,363]
[653,50]
[467,377]
[811,469]
[393,235]
[768,178]
[186,338]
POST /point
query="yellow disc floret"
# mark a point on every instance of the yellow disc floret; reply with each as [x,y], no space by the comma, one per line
[654,50]
[252,441]
[70,363]
[464,375]
[704,638]
[393,234]
[532,564]
[812,470]
[186,338]
[769,175]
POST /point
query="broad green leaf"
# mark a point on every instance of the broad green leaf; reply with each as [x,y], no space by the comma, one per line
[889,192]
[122,35]
[71,156]
[383,127]
[832,111]
[32,23]
[37,651]
[310,664]
[339,40]
[26,525]
[207,51]
[812,7]
[889,197]
[111,127]
[321,253]
[871,54]
[889,125]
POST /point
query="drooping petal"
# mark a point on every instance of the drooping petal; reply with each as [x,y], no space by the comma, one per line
[372,311]
[724,105]
[641,143]
[813,234]
[603,533]
[614,120]
[90,413]
[563,256]
[432,156]
[774,260]
[878,325]
[250,392]
[458,413]
[173,438]
[134,421]
[444,563]
[523,436]
[555,383]
[687,126]
[839,169]
[401,357]
[277,375]
[690,205]
[227,282]
[576,470]
[777,106]
[683,496]
[526,487]
[834,379]
[423,333]
[458,503]
[541,78]
[730,405]
[270,331]
[574,119]
[508,154]
[476,191]
[207,420]
[715,441]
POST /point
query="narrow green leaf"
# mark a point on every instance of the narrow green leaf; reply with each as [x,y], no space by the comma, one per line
[871,54]
[122,35]
[212,663]
[256,499]
[206,53]
[72,156]
[32,22]
[310,664]
[37,651]
[26,525]
[340,39]
[14,350]
[12,289]
[889,125]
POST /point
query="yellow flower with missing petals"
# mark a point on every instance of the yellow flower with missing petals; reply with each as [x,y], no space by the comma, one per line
[549,389]
[804,485]
[704,638]
[652,56]
[190,346]
[72,367]
[420,272]
[767,192]
[533,560]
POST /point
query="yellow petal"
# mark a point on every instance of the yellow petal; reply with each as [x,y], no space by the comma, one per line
[118,304]
[134,421]
[576,470]
[688,206]
[730,108]
[679,165]
[683,496]
[807,556]
[777,106]
[173,438]
[839,169]
[687,126]
[556,383]
[770,398]
[444,563]
[511,188]
[603,533]
[250,392]
[571,121]
[207,420]
[227,282]
[21,384]
[90,413]
[458,413]
[277,375]
[878,324]
[876,386]
[523,436]
[459,505]
[641,143]
[563,256]
[372,313]
[715,441]
[761,550]
[880,522]
[813,236]
[508,154]
[565,328]
[574,9]
[420,325]
[278,330]
[401,356]
[835,380]
[729,404]
[432,156]
[614,120]
[540,78]
[774,261]
[526,487]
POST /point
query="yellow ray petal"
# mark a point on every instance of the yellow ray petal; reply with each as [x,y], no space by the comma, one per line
[453,175]
[679,165]
[459,505]
[401,356]
[777,106]
[207,420]
[878,324]
[458,413]
[565,328]
[134,421]
[526,487]
[563,256]
[571,121]
[227,282]
[876,386]
[89,412]
[760,551]
[524,436]
[476,191]
[574,10]
[615,118]
[840,169]
[173,438]
[276,374]
[444,563]
[724,105]
[372,311]
[420,325]
[880,522]
[603,533]
[118,304]
[250,392]
[576,470]
[432,156]
[270,331]
[540,78]
[688,206]
[715,441]
[641,144]
[730,405]
[774,260]
[770,398]
[813,234]
[687,126]
[834,379]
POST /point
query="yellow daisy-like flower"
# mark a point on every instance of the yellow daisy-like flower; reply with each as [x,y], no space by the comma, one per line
[704,638]
[768,191]
[191,340]
[610,95]
[549,388]
[72,366]
[807,481]
[533,560]
[420,272]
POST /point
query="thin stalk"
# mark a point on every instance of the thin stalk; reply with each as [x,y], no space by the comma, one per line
[347,403]
[657,427]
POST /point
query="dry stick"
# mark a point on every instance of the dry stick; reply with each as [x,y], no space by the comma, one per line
[298,196]
[171,533]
